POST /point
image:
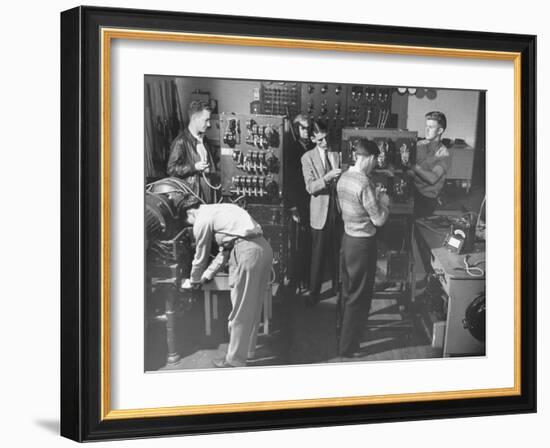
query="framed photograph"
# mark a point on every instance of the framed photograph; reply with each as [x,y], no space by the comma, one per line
[278,224]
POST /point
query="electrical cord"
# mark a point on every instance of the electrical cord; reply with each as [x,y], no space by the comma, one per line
[479,214]
[274,276]
[209,184]
[471,269]
[238,199]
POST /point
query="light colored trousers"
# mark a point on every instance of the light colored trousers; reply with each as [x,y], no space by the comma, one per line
[249,271]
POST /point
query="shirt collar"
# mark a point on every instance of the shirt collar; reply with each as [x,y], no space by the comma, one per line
[198,137]
[434,145]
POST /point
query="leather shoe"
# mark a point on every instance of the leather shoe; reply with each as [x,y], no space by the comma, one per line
[221,363]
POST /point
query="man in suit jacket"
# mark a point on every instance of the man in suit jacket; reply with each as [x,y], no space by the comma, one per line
[191,157]
[321,170]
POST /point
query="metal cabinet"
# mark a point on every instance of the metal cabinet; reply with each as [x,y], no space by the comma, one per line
[461,290]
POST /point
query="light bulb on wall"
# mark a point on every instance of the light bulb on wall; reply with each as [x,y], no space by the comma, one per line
[404,90]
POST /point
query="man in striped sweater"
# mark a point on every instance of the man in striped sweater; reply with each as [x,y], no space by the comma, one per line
[364,208]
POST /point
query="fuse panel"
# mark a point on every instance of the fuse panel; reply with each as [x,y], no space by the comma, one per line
[251,156]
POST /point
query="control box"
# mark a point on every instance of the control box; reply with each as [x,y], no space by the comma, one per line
[251,156]
[369,106]
[274,220]
[280,98]
[326,102]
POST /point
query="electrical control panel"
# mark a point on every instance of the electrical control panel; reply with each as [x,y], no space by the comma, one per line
[397,155]
[251,156]
[338,105]
[369,107]
[274,220]
[328,103]
[280,98]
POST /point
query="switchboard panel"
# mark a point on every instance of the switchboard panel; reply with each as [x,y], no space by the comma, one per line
[280,98]
[369,107]
[326,102]
[251,156]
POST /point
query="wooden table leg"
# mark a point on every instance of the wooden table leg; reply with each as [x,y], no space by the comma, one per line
[207,307]
[215,306]
[267,310]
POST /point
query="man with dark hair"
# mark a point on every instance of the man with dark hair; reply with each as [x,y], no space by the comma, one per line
[364,208]
[298,201]
[432,164]
[321,170]
[302,128]
[250,261]
[191,157]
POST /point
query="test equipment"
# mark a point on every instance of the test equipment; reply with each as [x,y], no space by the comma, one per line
[397,155]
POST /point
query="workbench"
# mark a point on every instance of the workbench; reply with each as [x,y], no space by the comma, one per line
[460,287]
[220,283]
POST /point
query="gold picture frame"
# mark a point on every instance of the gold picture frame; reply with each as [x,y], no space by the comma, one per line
[87,37]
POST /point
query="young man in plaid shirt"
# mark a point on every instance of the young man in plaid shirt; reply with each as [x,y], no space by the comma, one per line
[364,208]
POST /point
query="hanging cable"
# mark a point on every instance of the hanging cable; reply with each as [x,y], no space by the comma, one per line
[218,187]
[238,199]
[273,275]
[479,214]
[472,269]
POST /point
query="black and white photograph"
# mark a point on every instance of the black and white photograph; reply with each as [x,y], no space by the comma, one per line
[275,223]
[290,223]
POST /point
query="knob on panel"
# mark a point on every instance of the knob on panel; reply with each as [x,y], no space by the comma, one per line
[272,162]
[271,187]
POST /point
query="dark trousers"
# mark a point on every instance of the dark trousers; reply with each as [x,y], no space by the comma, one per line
[424,206]
[302,256]
[358,267]
[323,244]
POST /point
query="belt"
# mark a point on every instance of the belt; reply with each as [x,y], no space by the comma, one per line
[248,238]
[240,239]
